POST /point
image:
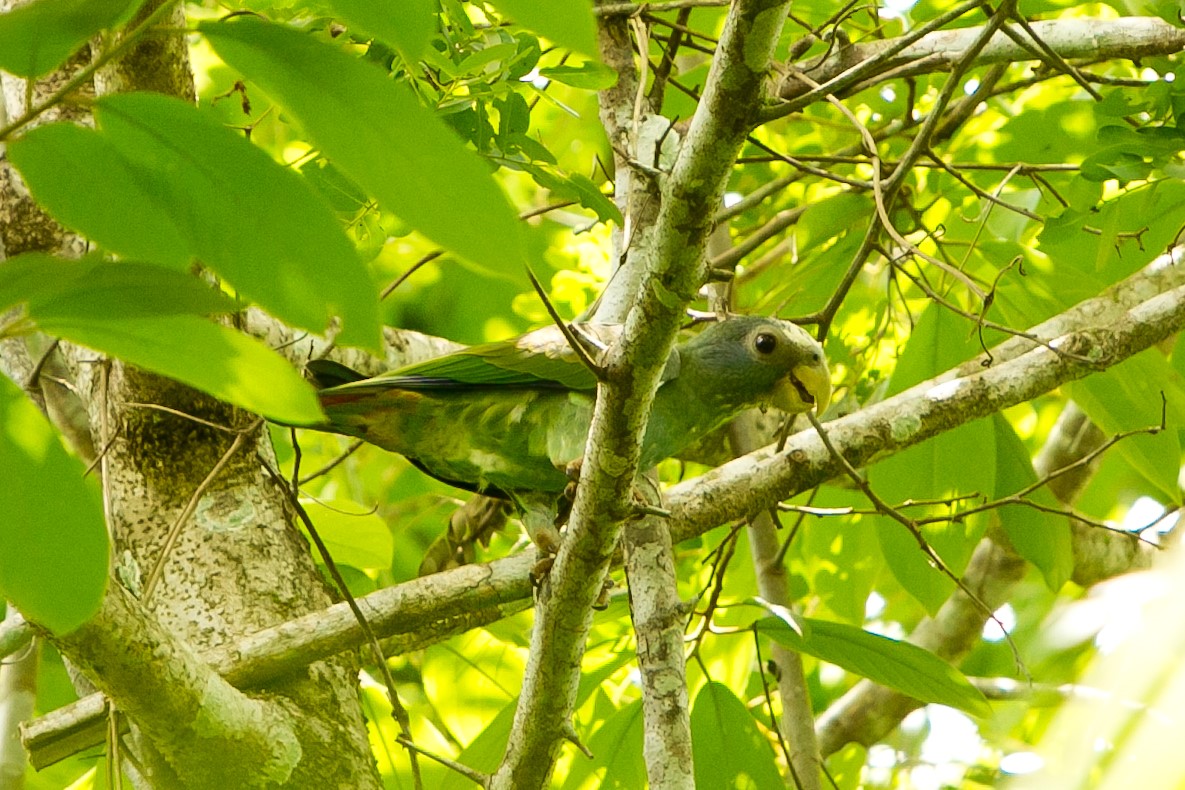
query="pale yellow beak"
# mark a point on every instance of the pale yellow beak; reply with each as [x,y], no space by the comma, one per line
[806,387]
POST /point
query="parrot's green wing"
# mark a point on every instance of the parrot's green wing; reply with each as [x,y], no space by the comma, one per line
[537,360]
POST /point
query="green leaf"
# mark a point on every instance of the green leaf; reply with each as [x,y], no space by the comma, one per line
[379,135]
[569,24]
[1128,397]
[406,25]
[212,358]
[589,76]
[92,288]
[359,539]
[53,545]
[485,751]
[933,469]
[575,187]
[1041,538]
[730,750]
[199,190]
[897,665]
[67,166]
[617,743]
[940,341]
[833,216]
[37,38]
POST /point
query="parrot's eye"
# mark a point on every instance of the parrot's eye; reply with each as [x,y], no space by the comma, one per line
[765,343]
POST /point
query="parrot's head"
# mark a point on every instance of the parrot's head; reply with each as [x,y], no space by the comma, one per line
[763,361]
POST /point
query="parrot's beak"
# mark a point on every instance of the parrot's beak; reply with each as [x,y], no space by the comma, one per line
[804,388]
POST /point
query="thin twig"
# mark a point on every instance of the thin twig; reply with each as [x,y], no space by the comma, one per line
[933,295]
[178,413]
[570,336]
[482,780]
[632,9]
[767,693]
[35,374]
[415,267]
[398,712]
[353,448]
[912,525]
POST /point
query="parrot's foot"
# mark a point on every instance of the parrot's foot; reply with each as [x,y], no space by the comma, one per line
[540,520]
[541,529]
[572,470]
[602,602]
[647,498]
[540,570]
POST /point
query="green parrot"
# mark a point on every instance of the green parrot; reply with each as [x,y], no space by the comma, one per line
[507,419]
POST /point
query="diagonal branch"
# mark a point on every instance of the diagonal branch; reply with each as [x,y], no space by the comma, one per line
[184,703]
[1128,37]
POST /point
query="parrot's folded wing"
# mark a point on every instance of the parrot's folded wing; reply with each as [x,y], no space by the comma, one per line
[537,360]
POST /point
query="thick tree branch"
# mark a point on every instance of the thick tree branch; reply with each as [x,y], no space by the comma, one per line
[1100,327]
[284,649]
[183,705]
[237,565]
[1095,39]
[659,618]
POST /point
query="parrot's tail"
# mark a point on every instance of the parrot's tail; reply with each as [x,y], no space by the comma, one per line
[326,373]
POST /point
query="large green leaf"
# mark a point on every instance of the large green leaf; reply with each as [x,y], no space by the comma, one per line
[67,166]
[898,665]
[955,463]
[406,25]
[151,317]
[617,744]
[1041,538]
[37,38]
[212,358]
[1128,397]
[53,545]
[379,135]
[92,288]
[730,750]
[199,190]
[940,340]
[569,24]
[830,217]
